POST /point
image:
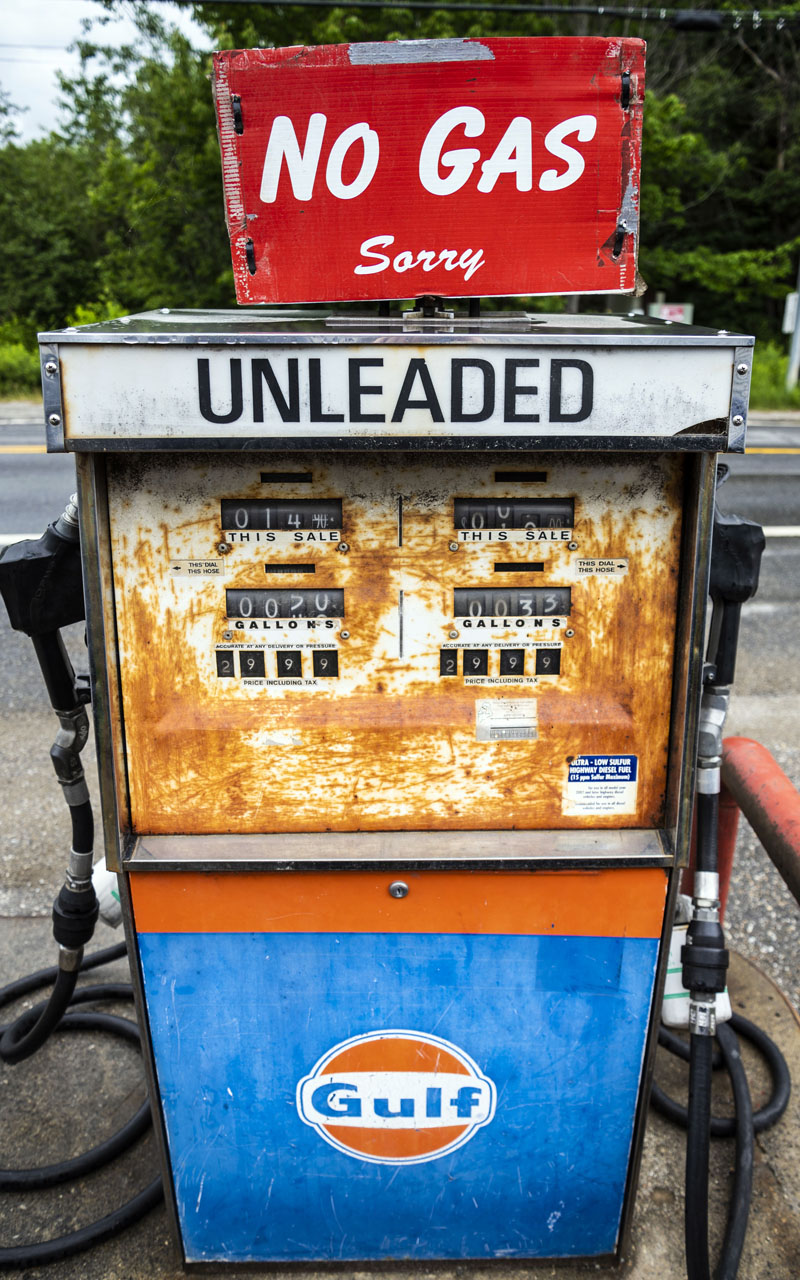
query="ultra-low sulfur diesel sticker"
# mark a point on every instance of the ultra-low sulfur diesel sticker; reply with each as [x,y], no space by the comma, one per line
[601,784]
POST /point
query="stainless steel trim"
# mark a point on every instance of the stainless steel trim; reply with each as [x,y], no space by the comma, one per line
[695,584]
[96,564]
[432,336]
[740,398]
[53,401]
[394,848]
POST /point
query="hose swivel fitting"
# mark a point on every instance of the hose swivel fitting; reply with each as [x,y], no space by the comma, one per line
[704,957]
[75,913]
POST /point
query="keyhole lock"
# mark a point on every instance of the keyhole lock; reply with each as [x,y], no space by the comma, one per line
[398,889]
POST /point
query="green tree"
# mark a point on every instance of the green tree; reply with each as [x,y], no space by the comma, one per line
[50,245]
[138,215]
[155,194]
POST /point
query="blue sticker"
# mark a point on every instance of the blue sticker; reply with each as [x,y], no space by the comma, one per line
[601,785]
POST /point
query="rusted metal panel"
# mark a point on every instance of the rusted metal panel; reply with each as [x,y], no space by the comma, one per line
[390,743]
[369,171]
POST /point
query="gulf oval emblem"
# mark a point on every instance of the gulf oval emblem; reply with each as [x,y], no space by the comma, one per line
[396,1097]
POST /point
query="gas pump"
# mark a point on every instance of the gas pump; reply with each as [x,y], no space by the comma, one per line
[396,626]
[394,739]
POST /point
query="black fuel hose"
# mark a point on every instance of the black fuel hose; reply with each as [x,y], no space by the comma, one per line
[82,827]
[743,1125]
[98,1156]
[698,1143]
[28,1033]
[725,1126]
[739,1203]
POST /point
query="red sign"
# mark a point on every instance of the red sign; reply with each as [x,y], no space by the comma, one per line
[451,167]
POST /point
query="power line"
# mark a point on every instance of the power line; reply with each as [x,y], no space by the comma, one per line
[691,20]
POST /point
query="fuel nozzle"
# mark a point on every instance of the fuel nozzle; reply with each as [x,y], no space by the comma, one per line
[736,551]
[40,578]
[41,584]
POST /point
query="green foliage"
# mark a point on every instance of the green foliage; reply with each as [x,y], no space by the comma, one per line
[680,169]
[768,385]
[94,312]
[8,125]
[19,370]
[50,247]
[155,195]
[121,209]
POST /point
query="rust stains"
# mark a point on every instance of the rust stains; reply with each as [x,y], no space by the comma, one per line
[389,743]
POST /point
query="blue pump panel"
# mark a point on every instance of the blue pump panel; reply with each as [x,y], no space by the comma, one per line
[342,1094]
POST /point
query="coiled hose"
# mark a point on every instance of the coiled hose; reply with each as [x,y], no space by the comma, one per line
[743,1125]
[50,1015]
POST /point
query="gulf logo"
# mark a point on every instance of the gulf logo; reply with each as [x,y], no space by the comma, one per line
[396,1097]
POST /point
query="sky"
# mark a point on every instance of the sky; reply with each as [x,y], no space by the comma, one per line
[35,36]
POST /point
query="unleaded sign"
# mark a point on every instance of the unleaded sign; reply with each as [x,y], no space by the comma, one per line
[451,167]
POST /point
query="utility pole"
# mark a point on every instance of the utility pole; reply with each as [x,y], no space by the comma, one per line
[794,350]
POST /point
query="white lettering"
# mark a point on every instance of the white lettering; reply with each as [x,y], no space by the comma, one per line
[381,261]
[511,155]
[300,165]
[469,261]
[460,162]
[333,173]
[584,127]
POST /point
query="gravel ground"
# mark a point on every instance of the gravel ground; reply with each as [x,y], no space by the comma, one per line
[763,920]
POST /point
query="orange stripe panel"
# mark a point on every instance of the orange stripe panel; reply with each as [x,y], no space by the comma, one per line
[391,1143]
[395,1055]
[625,902]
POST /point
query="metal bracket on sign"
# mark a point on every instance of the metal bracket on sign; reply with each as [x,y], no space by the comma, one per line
[51,392]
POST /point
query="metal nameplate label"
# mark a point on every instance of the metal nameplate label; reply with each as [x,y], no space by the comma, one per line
[369,390]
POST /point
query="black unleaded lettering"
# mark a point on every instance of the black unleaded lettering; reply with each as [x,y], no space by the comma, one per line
[513,391]
[404,401]
[356,390]
[457,413]
[557,368]
[204,392]
[315,395]
[288,409]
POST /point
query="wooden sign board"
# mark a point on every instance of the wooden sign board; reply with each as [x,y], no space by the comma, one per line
[451,167]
